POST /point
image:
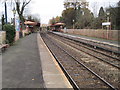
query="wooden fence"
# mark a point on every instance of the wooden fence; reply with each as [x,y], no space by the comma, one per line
[2,37]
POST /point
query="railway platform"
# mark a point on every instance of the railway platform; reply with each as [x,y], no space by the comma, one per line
[97,42]
[29,64]
[109,42]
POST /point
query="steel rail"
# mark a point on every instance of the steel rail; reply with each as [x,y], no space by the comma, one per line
[116,66]
[103,80]
[72,82]
[89,44]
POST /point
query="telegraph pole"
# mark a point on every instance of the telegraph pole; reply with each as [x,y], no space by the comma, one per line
[5,13]
[14,12]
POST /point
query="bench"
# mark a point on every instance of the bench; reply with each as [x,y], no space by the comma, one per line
[4,46]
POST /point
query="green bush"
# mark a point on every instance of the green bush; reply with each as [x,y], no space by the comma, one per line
[10,33]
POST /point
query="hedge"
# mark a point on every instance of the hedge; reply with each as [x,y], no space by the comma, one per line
[10,33]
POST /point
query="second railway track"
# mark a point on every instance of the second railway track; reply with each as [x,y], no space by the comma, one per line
[114,61]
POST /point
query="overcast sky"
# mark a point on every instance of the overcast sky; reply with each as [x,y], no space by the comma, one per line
[46,9]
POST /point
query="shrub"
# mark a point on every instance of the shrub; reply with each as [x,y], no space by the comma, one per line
[10,33]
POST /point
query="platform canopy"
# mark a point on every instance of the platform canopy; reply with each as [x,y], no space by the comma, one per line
[57,24]
[31,23]
[60,24]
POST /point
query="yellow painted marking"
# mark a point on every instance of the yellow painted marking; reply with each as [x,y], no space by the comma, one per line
[33,79]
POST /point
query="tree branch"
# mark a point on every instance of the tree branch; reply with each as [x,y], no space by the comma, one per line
[17,7]
[23,6]
[26,3]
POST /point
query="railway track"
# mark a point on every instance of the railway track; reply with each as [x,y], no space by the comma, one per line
[89,43]
[114,61]
[104,50]
[74,64]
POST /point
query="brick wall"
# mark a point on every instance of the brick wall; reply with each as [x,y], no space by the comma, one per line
[105,34]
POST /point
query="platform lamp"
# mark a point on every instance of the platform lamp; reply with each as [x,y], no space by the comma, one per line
[108,20]
[14,12]
[73,25]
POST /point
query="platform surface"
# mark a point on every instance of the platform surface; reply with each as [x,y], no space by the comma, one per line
[21,65]
[52,73]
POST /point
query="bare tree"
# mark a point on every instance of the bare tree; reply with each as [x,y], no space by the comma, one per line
[20,6]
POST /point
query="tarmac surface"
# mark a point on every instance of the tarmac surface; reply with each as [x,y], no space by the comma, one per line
[21,65]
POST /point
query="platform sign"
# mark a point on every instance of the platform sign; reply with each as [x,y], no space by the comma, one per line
[17,24]
[106,23]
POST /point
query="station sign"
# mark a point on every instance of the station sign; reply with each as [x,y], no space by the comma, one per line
[106,23]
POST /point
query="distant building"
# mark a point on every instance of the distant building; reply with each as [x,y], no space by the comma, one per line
[44,25]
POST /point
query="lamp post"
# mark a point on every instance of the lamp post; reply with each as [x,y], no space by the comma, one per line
[73,25]
[108,13]
[6,13]
[14,12]
[108,19]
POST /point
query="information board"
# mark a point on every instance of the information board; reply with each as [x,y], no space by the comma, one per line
[17,24]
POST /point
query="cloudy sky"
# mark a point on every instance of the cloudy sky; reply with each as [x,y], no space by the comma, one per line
[46,9]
